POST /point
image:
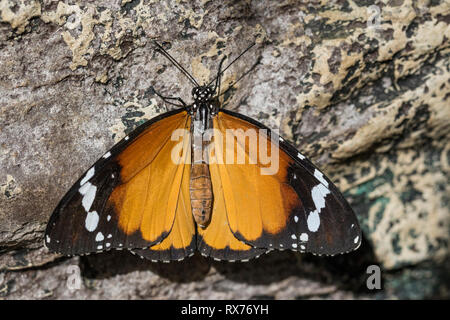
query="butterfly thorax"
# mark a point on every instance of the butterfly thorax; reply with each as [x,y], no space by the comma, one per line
[202,111]
[204,102]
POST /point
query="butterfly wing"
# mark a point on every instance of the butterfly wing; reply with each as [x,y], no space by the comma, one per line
[292,205]
[180,242]
[129,197]
[217,239]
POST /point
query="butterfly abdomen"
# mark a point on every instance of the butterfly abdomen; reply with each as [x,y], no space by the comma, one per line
[200,188]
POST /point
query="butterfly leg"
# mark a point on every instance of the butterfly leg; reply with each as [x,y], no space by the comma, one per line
[169,99]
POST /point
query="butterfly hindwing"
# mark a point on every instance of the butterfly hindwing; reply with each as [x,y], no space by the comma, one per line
[128,198]
[294,207]
[181,241]
[217,240]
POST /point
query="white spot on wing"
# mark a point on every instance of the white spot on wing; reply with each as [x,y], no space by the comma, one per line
[294,245]
[319,176]
[295,218]
[313,221]
[293,237]
[318,194]
[84,188]
[88,191]
[355,241]
[304,237]
[47,238]
[88,175]
[108,218]
[107,155]
[300,156]
[99,237]
[109,236]
[91,221]
[127,137]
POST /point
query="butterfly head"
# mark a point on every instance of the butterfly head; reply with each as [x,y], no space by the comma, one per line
[202,94]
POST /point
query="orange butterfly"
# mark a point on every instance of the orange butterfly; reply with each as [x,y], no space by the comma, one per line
[207,179]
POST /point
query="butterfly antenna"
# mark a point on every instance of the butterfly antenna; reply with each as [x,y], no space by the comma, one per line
[246,73]
[175,63]
[219,77]
[223,70]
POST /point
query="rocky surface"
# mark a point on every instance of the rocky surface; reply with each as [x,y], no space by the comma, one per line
[361,87]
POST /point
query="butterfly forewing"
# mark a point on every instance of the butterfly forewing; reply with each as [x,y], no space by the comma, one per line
[128,198]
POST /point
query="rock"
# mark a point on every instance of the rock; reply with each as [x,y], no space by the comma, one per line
[362,89]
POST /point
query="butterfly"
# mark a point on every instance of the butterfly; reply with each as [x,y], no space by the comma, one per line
[202,178]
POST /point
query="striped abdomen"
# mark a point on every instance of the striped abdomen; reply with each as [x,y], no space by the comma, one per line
[201,193]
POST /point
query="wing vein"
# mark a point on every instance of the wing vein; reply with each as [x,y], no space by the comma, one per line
[156,155]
